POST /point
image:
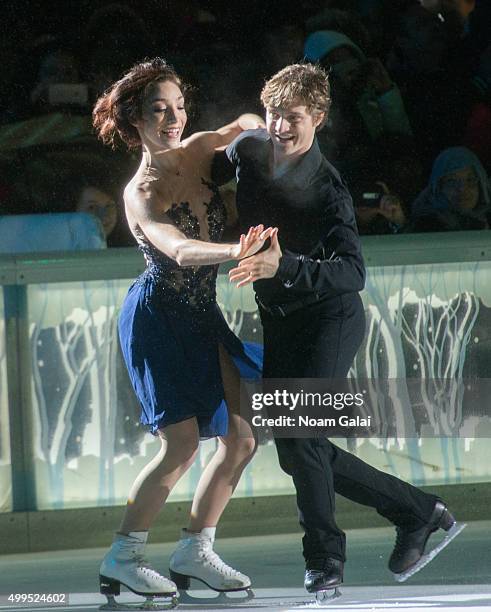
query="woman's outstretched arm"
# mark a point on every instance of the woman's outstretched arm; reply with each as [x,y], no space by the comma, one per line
[166,237]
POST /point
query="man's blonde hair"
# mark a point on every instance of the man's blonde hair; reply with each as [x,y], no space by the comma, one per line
[301,84]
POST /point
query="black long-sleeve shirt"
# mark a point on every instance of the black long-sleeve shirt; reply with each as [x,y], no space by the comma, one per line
[313,211]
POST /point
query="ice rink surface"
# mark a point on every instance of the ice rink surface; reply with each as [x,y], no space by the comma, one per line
[458,579]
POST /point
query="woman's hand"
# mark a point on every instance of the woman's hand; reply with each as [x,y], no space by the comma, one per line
[249,121]
[252,242]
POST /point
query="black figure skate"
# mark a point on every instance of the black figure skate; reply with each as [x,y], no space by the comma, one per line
[323,577]
[409,556]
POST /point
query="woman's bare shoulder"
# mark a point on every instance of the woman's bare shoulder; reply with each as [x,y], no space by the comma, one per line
[200,142]
[142,193]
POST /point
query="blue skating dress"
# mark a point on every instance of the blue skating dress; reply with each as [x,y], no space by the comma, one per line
[170,327]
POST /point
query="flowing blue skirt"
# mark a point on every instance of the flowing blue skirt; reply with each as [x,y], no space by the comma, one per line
[171,352]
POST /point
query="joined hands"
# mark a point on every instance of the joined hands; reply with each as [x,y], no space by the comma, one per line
[262,265]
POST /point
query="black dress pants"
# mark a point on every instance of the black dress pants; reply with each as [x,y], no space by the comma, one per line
[321,341]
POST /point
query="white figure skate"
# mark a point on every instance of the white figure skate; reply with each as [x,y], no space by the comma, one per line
[195,558]
[124,564]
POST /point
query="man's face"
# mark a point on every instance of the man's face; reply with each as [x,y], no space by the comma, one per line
[292,129]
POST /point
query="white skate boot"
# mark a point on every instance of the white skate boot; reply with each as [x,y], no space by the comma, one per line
[195,558]
[124,564]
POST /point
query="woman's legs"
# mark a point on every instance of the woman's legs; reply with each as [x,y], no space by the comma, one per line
[235,450]
[179,447]
[124,562]
[154,483]
[194,556]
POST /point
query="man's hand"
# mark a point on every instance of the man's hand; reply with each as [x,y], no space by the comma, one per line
[262,265]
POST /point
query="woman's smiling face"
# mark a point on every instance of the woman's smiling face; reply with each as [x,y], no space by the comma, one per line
[163,116]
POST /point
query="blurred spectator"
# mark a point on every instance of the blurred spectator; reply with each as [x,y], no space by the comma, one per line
[57,67]
[223,79]
[436,51]
[90,198]
[107,52]
[73,205]
[89,183]
[66,181]
[51,177]
[368,23]
[478,133]
[50,232]
[457,196]
[479,25]
[397,165]
[383,202]
[365,102]
[343,21]
[432,60]
[477,136]
[283,45]
[424,41]
[378,211]
[48,80]
[463,8]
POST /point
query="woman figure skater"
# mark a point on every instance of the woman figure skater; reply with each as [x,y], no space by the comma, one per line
[183,360]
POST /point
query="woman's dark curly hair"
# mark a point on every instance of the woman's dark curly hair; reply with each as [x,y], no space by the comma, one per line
[120,106]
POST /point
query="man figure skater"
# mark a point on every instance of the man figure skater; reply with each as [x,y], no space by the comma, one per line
[312,315]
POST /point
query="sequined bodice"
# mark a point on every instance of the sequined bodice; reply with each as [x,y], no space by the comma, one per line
[194,286]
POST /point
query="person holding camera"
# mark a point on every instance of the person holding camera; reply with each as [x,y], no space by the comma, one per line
[366,104]
[378,211]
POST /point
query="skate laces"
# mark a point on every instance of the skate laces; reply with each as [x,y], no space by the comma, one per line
[140,560]
[405,539]
[143,564]
[212,559]
[400,541]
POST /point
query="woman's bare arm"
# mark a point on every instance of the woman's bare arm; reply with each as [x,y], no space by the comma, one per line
[224,135]
[227,133]
[166,237]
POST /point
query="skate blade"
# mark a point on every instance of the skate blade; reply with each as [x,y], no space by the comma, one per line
[323,599]
[452,533]
[148,604]
[223,598]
